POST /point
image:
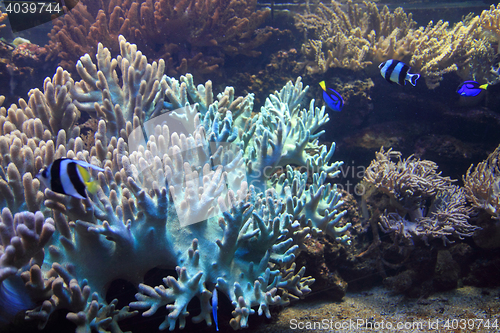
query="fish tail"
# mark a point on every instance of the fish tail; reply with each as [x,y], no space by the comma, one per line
[413,78]
[14,298]
[215,302]
[92,186]
[484,86]
[322,85]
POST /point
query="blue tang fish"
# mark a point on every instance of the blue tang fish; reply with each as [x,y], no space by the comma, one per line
[215,302]
[398,72]
[332,98]
[471,88]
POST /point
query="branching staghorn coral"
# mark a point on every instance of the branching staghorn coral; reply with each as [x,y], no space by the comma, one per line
[362,35]
[354,38]
[34,134]
[438,49]
[490,22]
[422,204]
[190,36]
[189,198]
[3,17]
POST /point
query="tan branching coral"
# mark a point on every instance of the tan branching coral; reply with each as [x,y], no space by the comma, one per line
[34,134]
[22,237]
[353,38]
[179,32]
[490,25]
[490,22]
[3,17]
[438,49]
[358,36]
[54,107]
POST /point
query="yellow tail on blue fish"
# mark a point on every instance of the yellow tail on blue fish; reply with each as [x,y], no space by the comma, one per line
[332,98]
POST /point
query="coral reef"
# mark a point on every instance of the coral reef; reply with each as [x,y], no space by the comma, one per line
[490,22]
[415,205]
[353,38]
[20,65]
[481,185]
[206,189]
[362,34]
[421,203]
[490,25]
[261,84]
[194,36]
[3,17]
[438,49]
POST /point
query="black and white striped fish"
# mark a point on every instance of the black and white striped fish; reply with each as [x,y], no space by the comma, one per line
[397,71]
[70,177]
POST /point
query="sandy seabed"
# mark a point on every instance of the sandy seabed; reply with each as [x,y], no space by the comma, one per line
[466,309]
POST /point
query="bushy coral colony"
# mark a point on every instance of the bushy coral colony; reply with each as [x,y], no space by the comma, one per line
[360,35]
[212,194]
[221,195]
[190,35]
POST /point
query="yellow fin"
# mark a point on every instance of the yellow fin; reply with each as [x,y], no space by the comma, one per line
[84,173]
[92,186]
[322,85]
[484,86]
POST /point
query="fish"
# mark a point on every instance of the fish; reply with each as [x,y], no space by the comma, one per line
[398,72]
[471,88]
[69,177]
[215,302]
[332,98]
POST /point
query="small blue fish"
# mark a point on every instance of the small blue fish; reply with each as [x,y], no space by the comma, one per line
[215,301]
[398,72]
[332,98]
[470,88]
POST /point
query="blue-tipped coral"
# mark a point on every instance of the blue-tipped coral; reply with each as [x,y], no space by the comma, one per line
[201,196]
